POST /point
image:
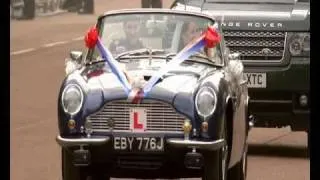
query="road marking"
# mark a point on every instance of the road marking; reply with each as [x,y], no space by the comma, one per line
[45,46]
[277,138]
[22,51]
[55,43]
[78,38]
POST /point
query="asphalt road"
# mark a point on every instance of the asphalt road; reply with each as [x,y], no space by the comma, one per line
[38,49]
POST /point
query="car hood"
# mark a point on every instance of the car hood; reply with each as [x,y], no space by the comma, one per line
[285,15]
[176,87]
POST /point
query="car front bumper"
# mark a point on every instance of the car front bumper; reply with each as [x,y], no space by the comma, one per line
[172,142]
[278,104]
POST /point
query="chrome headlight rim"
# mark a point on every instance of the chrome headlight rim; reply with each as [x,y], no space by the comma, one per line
[299,39]
[204,117]
[67,87]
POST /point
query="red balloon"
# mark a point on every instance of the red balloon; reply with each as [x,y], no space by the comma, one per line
[212,37]
[91,38]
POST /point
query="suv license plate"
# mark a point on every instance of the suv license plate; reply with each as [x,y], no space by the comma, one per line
[256,80]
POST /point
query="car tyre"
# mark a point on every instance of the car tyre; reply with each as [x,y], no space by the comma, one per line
[239,171]
[216,163]
[69,171]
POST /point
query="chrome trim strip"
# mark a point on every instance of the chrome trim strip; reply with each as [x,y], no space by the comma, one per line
[130,131]
[271,101]
[209,145]
[66,142]
[304,112]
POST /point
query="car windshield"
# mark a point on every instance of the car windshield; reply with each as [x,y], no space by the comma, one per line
[155,35]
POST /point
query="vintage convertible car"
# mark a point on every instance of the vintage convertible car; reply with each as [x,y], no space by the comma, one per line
[142,104]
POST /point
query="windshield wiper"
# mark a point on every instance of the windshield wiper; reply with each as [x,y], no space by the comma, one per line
[204,59]
[144,51]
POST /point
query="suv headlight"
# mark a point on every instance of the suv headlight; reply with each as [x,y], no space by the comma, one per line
[72,98]
[205,102]
[299,44]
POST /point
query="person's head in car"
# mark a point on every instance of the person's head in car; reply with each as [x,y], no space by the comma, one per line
[132,29]
[190,31]
[131,40]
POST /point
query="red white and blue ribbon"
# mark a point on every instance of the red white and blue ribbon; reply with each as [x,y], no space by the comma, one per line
[92,39]
[209,39]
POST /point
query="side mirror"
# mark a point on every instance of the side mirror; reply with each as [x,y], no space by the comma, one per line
[74,62]
[235,67]
[226,51]
[76,56]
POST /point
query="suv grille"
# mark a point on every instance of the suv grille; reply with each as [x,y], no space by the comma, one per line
[161,117]
[256,45]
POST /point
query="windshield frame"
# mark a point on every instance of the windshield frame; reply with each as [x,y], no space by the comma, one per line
[99,24]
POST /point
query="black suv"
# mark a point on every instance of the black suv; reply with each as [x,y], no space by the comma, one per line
[273,37]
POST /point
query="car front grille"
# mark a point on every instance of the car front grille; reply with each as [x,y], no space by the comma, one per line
[161,117]
[266,46]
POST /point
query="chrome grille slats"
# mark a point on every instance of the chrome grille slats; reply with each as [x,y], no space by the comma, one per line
[256,45]
[161,117]
[256,51]
[257,42]
[254,33]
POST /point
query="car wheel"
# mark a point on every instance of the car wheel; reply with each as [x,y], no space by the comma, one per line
[69,171]
[29,10]
[239,171]
[216,164]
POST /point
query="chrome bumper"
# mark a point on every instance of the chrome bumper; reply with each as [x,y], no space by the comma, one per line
[178,143]
[66,142]
[209,145]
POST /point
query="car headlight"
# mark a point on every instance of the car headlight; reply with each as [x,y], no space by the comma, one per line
[206,101]
[299,44]
[72,98]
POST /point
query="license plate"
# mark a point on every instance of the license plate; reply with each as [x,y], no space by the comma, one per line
[138,143]
[256,80]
